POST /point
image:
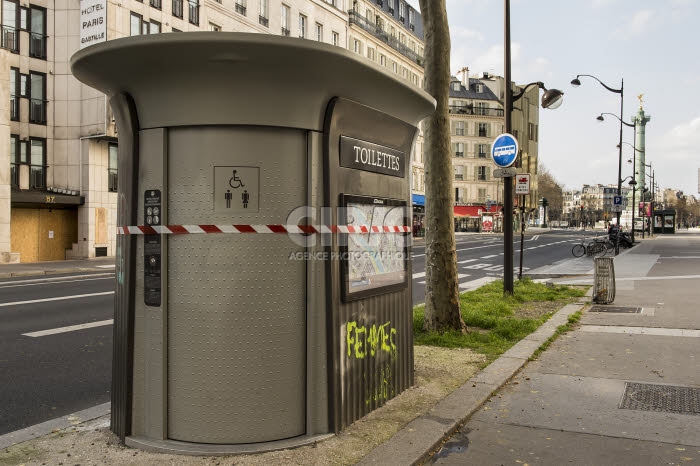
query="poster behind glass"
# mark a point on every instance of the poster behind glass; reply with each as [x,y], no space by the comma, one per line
[373,262]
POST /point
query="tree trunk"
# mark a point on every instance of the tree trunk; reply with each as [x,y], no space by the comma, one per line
[441,282]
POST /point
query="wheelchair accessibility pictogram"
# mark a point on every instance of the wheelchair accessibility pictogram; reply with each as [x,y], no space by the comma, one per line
[235,179]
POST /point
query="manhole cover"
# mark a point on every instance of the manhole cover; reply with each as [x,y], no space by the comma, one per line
[664,398]
[616,309]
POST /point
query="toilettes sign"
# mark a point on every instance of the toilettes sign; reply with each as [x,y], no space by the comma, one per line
[93,22]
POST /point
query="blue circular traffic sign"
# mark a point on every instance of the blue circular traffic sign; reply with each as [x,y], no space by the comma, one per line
[504,150]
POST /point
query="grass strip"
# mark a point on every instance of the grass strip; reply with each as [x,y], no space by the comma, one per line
[495,322]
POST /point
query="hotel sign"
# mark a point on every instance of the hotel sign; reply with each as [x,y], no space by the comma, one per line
[93,22]
[367,156]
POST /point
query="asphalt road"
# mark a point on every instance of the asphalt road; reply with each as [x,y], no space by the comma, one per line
[481,256]
[51,375]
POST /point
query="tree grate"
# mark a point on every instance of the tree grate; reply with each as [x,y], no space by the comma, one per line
[616,309]
[662,398]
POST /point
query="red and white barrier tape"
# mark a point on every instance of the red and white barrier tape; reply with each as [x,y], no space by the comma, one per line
[285,229]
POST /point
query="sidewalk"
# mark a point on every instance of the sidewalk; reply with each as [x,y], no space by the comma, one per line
[563,407]
[56,267]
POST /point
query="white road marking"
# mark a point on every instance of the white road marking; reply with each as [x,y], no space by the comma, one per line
[70,328]
[60,298]
[466,261]
[474,284]
[664,332]
[106,266]
[535,238]
[489,257]
[418,275]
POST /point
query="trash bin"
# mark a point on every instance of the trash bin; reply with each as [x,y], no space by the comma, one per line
[604,280]
[233,331]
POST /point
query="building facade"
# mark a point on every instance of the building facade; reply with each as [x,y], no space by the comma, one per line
[58,172]
[476,119]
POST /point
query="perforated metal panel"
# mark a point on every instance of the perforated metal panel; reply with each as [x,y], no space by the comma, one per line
[237,303]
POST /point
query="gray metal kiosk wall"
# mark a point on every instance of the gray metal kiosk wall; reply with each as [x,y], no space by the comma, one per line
[224,341]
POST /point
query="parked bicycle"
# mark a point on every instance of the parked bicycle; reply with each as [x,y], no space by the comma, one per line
[598,246]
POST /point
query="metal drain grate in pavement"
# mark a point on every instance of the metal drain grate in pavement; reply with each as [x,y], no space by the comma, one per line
[663,398]
[616,309]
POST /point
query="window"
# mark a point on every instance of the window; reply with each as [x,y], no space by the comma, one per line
[382,60]
[154,27]
[37,98]
[112,170]
[263,14]
[482,150]
[319,32]
[194,12]
[14,160]
[302,26]
[14,94]
[10,32]
[483,173]
[241,7]
[483,130]
[336,38]
[37,163]
[155,4]
[459,172]
[285,20]
[402,11]
[177,9]
[214,27]
[176,30]
[404,72]
[357,46]
[391,7]
[532,132]
[369,15]
[456,86]
[37,33]
[371,54]
[458,149]
[459,128]
[394,67]
[138,25]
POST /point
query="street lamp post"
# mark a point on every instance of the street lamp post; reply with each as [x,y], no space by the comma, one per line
[576,82]
[552,98]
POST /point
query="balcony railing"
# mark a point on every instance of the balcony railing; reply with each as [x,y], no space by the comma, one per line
[177,8]
[459,131]
[482,155]
[379,33]
[240,9]
[37,45]
[380,2]
[10,39]
[37,176]
[193,15]
[459,176]
[14,108]
[37,111]
[483,134]
[459,154]
[285,31]
[264,21]
[155,4]
[471,110]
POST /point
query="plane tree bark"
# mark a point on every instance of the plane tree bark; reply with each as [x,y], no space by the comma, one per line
[442,311]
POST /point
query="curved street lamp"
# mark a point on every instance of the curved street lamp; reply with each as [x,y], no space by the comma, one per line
[551,99]
[577,82]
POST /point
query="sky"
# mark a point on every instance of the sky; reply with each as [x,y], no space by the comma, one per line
[650,44]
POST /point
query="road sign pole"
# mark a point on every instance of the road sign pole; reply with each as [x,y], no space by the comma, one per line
[522,235]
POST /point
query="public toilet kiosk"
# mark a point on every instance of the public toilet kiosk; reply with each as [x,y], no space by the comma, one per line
[263,261]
